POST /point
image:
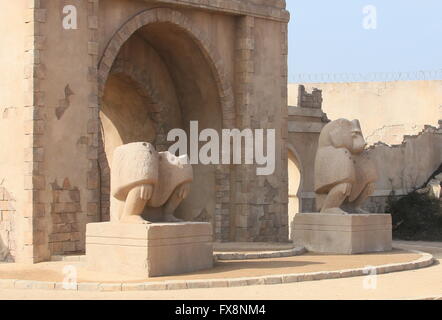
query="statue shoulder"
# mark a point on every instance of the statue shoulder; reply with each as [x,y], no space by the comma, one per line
[333,166]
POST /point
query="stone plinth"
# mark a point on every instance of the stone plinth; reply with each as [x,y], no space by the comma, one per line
[149,250]
[343,234]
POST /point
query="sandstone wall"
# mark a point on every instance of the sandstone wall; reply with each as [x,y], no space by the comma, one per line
[236,78]
[14,126]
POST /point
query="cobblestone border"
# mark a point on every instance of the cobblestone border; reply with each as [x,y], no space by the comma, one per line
[221,256]
[424,261]
[259,255]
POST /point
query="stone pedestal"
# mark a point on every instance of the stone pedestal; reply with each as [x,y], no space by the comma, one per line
[343,234]
[149,250]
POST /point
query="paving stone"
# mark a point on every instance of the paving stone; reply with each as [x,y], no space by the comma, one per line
[286,254]
[306,277]
[61,286]
[155,286]
[7,284]
[428,262]
[88,286]
[397,267]
[195,284]
[23,284]
[133,287]
[319,275]
[273,280]
[240,282]
[290,278]
[176,285]
[106,287]
[255,281]
[218,283]
[345,273]
[333,275]
[43,285]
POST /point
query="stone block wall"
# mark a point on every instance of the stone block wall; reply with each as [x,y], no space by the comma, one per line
[309,100]
[8,227]
[261,201]
[65,237]
[58,124]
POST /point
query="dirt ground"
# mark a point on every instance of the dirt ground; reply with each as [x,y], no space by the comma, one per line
[53,271]
[413,284]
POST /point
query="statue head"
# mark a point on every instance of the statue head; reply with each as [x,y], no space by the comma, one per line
[343,133]
[357,137]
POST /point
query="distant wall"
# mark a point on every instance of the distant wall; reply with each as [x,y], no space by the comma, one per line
[387,110]
[406,167]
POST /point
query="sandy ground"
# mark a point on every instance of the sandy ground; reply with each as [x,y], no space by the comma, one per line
[53,271]
[421,283]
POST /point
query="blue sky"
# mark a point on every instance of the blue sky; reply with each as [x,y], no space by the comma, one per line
[327,36]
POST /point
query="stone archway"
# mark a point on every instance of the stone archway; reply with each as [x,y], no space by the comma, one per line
[295,176]
[165,15]
[157,29]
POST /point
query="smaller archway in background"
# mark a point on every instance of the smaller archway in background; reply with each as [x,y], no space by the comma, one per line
[295,179]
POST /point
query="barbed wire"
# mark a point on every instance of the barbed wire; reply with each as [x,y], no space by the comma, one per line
[366,77]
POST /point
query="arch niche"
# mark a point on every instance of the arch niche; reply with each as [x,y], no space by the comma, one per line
[295,183]
[158,73]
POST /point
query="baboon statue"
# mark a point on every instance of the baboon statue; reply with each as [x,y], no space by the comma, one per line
[344,174]
[141,176]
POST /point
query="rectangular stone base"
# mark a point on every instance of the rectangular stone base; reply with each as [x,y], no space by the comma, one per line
[149,250]
[343,234]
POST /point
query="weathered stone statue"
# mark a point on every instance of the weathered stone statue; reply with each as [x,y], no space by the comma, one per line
[344,174]
[141,176]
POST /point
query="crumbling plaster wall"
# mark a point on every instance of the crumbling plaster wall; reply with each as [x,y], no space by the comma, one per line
[387,110]
[405,167]
[64,140]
